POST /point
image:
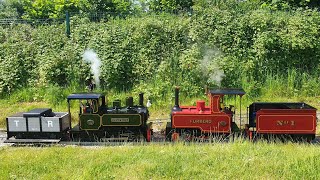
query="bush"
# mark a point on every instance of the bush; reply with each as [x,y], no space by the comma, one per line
[237,44]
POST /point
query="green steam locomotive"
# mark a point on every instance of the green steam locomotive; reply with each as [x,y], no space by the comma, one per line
[97,122]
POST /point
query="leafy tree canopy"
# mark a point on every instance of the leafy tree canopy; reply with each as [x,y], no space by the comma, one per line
[41,9]
[170,5]
[286,4]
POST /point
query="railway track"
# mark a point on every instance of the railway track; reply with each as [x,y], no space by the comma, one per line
[158,139]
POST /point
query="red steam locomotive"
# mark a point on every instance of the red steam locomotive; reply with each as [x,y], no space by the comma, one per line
[276,120]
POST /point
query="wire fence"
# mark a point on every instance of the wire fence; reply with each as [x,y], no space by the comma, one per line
[93,17]
[33,22]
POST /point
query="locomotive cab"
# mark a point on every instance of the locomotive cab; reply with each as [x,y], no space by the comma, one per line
[89,103]
[218,104]
[90,106]
[217,100]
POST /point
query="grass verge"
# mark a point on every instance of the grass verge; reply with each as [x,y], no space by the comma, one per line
[242,160]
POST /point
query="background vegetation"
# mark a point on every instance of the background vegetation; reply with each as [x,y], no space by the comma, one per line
[270,48]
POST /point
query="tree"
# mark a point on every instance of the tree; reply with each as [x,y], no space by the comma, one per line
[6,11]
[43,9]
[35,9]
[10,9]
[170,5]
[285,4]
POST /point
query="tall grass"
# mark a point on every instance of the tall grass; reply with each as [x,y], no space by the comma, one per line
[239,160]
[294,84]
[51,94]
[290,85]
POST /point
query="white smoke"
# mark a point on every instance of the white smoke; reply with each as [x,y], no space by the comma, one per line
[91,57]
[210,66]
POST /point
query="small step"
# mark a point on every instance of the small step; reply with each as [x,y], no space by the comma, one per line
[32,141]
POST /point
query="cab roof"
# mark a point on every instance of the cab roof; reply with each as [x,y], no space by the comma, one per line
[228,91]
[84,96]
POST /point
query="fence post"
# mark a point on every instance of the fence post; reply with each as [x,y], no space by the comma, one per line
[67,24]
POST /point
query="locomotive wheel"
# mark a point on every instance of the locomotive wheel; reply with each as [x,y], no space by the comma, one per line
[187,135]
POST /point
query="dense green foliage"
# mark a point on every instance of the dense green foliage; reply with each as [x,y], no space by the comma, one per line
[42,9]
[286,4]
[242,43]
[171,5]
[238,160]
[7,10]
[29,9]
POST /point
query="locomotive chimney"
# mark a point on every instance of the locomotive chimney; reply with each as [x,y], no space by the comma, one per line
[116,103]
[176,106]
[141,99]
[103,101]
[129,102]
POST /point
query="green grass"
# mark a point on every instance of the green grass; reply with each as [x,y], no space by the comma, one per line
[292,85]
[239,160]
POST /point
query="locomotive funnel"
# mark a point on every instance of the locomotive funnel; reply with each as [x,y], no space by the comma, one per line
[116,103]
[103,101]
[176,106]
[129,102]
[141,99]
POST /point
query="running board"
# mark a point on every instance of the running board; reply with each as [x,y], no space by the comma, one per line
[32,141]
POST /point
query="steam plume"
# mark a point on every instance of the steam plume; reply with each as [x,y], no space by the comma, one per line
[210,66]
[91,57]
